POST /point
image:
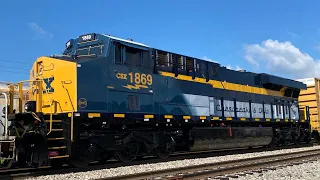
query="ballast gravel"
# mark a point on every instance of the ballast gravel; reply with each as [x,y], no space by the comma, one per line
[305,171]
[126,170]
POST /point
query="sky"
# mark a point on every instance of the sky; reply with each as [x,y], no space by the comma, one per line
[276,37]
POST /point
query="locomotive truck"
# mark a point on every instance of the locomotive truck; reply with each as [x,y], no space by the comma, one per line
[107,97]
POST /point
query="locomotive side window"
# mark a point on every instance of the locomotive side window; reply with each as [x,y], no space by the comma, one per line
[131,56]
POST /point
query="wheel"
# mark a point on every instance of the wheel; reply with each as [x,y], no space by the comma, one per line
[161,152]
[82,154]
[129,153]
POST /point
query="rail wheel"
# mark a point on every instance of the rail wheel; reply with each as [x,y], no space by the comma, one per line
[164,151]
[129,153]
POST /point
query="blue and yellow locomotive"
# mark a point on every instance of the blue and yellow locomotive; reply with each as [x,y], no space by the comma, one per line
[108,97]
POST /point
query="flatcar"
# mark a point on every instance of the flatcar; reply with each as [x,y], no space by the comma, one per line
[108,97]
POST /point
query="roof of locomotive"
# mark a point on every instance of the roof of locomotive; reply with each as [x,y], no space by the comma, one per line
[264,78]
[125,40]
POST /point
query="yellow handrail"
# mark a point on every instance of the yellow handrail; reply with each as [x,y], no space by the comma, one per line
[39,100]
[50,101]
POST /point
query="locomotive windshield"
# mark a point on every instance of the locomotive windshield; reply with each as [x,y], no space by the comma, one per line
[85,46]
[90,50]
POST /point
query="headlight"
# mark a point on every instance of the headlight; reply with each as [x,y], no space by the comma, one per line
[28,107]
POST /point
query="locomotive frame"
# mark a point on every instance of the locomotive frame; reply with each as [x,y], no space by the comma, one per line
[126,100]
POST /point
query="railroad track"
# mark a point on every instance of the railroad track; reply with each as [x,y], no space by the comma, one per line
[227,168]
[47,170]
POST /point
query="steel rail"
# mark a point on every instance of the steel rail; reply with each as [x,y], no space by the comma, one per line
[47,170]
[218,168]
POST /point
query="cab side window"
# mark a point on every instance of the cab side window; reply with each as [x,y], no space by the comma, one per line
[131,56]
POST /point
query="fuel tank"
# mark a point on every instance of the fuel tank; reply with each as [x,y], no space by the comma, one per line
[212,138]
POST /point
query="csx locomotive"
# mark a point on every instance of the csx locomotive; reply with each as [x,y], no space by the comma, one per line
[108,97]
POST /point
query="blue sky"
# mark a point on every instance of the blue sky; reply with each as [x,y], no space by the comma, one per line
[281,38]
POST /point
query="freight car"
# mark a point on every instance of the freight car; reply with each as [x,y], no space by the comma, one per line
[109,97]
[311,98]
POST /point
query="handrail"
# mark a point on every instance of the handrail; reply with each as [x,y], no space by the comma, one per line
[39,104]
[72,113]
[50,102]
[71,135]
[50,121]
[6,116]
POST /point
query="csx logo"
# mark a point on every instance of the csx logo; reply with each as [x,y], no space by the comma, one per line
[48,82]
[121,76]
[47,88]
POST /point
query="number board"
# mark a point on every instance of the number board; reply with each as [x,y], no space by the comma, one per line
[87,37]
[136,78]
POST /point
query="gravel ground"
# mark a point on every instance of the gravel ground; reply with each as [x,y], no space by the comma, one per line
[305,171]
[161,166]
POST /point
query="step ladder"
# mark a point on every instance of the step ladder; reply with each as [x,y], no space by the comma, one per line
[56,138]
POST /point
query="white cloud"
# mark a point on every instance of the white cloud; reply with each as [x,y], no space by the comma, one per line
[228,66]
[208,59]
[39,32]
[282,57]
[237,68]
